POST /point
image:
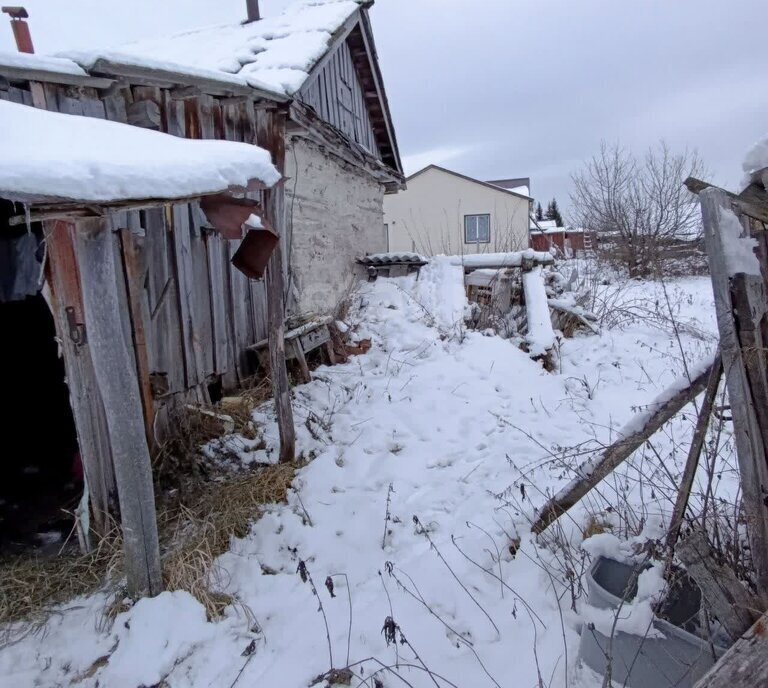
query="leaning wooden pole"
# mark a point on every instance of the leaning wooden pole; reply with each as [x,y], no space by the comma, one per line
[271,135]
[694,452]
[740,301]
[115,371]
[593,471]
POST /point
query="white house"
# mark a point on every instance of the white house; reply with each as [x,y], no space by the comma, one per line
[446,212]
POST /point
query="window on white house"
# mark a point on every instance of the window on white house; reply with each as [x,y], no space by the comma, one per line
[477,229]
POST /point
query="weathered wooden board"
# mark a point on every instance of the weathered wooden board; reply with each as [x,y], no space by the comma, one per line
[745,665]
[115,375]
[63,278]
[739,331]
[164,328]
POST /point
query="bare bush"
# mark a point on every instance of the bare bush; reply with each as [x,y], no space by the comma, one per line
[638,206]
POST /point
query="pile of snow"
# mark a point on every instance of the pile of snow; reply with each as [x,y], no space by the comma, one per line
[468,432]
[512,259]
[89,159]
[274,54]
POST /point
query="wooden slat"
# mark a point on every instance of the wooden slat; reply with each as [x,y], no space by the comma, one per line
[215,269]
[164,332]
[63,278]
[184,270]
[201,302]
[134,265]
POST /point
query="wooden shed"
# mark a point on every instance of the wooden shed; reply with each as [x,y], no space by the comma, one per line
[186,315]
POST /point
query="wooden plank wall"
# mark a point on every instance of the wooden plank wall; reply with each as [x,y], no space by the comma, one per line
[198,313]
[337,95]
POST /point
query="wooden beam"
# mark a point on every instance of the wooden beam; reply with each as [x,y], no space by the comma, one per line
[116,378]
[271,135]
[745,664]
[736,346]
[748,202]
[725,596]
[593,471]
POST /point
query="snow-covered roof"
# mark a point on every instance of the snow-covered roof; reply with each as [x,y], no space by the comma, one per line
[58,65]
[274,54]
[52,156]
[518,185]
[488,185]
[545,224]
[756,161]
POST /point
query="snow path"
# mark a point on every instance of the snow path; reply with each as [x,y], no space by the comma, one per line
[445,417]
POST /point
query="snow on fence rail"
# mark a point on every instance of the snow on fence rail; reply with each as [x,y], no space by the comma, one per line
[513,259]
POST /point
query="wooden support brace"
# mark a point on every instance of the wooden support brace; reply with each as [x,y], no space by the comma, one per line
[592,472]
[697,444]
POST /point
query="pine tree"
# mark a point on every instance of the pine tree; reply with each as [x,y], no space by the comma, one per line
[553,213]
[539,213]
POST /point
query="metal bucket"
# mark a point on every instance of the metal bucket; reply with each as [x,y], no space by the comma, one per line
[678,660]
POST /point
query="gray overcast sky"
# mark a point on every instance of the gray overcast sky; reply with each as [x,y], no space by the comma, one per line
[495,88]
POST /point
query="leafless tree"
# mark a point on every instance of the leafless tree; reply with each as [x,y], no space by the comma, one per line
[638,206]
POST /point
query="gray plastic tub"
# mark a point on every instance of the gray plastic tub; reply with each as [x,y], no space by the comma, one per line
[678,659]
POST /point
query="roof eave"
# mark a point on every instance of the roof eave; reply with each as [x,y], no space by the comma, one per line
[163,78]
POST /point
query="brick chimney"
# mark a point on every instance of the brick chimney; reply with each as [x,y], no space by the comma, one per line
[253,11]
[20,28]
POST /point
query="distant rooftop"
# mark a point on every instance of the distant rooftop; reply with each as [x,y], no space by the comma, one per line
[520,185]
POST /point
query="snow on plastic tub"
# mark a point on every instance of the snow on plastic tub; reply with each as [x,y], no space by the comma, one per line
[674,657]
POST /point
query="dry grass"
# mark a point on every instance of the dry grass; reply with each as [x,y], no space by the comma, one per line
[199,532]
[199,511]
[31,584]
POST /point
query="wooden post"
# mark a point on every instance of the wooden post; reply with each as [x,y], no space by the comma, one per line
[740,332]
[115,370]
[271,135]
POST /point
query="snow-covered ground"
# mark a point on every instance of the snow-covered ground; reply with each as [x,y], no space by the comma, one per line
[457,437]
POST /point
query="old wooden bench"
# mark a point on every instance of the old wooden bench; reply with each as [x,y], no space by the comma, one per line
[299,341]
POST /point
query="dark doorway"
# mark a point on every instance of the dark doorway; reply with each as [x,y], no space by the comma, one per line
[41,480]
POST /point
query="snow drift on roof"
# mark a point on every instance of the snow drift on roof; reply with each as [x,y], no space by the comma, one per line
[274,54]
[55,156]
[756,161]
[58,65]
